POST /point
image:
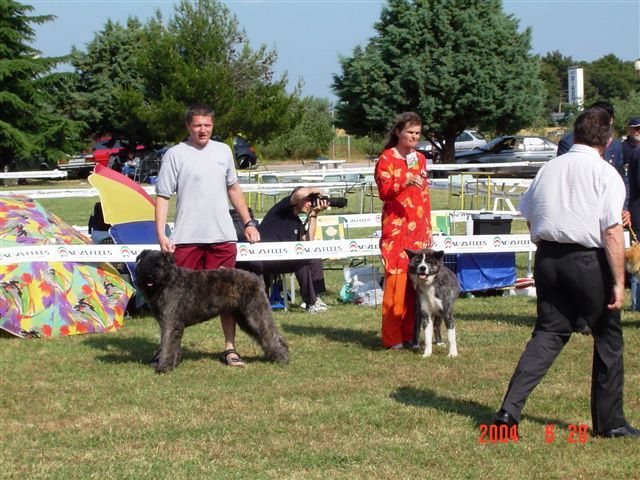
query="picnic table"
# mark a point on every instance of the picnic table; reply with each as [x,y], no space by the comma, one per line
[323,163]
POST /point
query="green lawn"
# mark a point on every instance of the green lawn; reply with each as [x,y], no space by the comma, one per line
[89,407]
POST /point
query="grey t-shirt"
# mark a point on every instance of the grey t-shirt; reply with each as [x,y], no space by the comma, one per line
[200,178]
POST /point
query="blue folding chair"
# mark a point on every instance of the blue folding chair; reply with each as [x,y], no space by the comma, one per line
[135,233]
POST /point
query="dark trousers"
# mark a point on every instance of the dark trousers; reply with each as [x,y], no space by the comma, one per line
[573,281]
[309,274]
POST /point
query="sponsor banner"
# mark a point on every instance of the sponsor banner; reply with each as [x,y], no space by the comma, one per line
[483,243]
[360,221]
[575,81]
[358,247]
[72,253]
[314,249]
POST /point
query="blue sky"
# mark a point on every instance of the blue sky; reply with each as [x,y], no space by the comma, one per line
[310,35]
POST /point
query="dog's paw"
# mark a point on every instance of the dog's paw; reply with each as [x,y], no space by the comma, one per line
[441,344]
[426,354]
[163,367]
[452,354]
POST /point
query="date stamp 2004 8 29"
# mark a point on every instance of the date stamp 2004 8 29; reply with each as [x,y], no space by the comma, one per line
[504,434]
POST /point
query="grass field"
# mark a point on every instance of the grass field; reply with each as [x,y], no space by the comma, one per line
[89,407]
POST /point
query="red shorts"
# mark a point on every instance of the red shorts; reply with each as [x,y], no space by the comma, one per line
[206,256]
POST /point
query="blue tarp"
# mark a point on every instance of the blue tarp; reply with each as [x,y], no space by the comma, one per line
[485,271]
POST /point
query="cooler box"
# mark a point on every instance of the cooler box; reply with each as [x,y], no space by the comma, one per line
[488,223]
[486,271]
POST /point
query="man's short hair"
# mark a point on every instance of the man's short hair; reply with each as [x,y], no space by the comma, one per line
[198,110]
[606,106]
[593,128]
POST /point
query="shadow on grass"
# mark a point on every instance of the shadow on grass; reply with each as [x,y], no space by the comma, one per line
[524,320]
[481,414]
[365,338]
[140,350]
[122,349]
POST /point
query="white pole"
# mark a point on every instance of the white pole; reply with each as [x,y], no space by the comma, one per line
[333,127]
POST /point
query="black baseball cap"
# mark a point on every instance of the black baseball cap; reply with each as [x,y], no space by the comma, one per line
[634,122]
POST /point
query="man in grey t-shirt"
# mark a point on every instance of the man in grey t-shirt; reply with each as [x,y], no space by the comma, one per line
[202,174]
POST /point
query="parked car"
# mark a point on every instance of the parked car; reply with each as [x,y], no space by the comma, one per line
[511,148]
[109,148]
[470,139]
[243,152]
[81,164]
[467,140]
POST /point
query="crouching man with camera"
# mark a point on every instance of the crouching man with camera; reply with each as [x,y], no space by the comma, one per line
[283,224]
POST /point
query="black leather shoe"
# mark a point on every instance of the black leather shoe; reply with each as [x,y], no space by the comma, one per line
[625,430]
[504,418]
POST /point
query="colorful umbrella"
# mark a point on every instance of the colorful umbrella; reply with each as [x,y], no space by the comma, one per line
[54,298]
[25,222]
[123,200]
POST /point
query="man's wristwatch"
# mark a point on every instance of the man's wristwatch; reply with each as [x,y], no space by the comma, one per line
[251,223]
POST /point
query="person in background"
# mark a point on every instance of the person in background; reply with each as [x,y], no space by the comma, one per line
[202,173]
[131,164]
[613,154]
[631,153]
[573,208]
[401,176]
[282,223]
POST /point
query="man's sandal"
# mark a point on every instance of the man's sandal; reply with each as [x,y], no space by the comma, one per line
[234,361]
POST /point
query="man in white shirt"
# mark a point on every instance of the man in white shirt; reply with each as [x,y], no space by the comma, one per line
[573,208]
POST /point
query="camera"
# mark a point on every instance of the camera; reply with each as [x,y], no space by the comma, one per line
[337,202]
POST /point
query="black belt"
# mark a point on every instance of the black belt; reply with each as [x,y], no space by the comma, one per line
[570,247]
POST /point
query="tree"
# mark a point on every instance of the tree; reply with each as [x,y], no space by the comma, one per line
[553,73]
[202,55]
[625,109]
[457,63]
[110,86]
[31,127]
[609,77]
[312,132]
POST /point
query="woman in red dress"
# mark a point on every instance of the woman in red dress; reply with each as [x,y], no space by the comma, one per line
[401,176]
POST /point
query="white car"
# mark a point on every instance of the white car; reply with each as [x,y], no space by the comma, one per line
[467,140]
[470,139]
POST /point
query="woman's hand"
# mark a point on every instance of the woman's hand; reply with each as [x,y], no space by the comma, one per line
[415,180]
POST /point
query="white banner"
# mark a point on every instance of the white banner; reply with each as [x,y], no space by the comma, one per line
[357,247]
[284,186]
[34,174]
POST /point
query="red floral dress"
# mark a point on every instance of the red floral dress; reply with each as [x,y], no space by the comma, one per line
[406,214]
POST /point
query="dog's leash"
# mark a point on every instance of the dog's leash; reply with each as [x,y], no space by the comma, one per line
[633,234]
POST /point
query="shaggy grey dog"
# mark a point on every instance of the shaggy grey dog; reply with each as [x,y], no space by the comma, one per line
[180,297]
[436,289]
